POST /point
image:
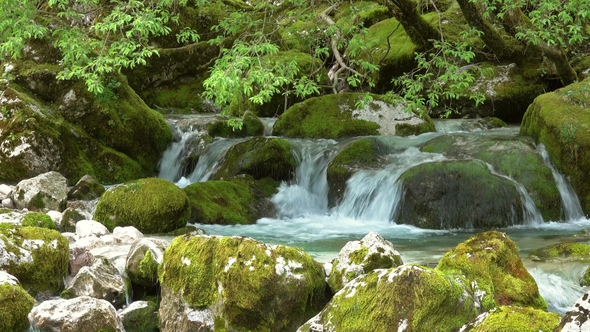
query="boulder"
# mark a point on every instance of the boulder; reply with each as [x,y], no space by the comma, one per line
[151,205]
[81,314]
[15,304]
[337,115]
[9,216]
[80,257]
[236,200]
[38,219]
[515,157]
[511,318]
[5,191]
[127,234]
[492,267]
[259,157]
[70,218]
[87,188]
[141,316]
[457,194]
[578,318]
[251,126]
[360,257]
[38,257]
[562,252]
[560,120]
[47,191]
[405,298]
[86,228]
[8,203]
[235,283]
[102,280]
[145,255]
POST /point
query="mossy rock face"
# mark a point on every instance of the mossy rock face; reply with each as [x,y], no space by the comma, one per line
[360,155]
[406,298]
[512,318]
[143,259]
[238,200]
[564,251]
[141,316]
[259,157]
[491,264]
[457,194]
[514,157]
[336,115]
[238,284]
[360,257]
[38,257]
[87,188]
[15,304]
[38,219]
[561,121]
[251,126]
[75,133]
[151,205]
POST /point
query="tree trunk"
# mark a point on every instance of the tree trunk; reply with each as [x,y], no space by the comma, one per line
[406,12]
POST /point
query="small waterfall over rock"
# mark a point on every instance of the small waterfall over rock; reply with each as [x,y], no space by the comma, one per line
[571,204]
[170,165]
[210,158]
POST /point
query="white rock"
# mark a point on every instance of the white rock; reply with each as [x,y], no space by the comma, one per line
[5,191]
[71,237]
[85,228]
[55,216]
[49,188]
[7,278]
[8,203]
[89,242]
[127,234]
[108,240]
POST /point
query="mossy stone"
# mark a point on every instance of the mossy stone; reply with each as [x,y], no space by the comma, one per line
[144,319]
[491,264]
[259,157]
[15,305]
[151,205]
[251,126]
[513,318]
[40,257]
[563,251]
[38,219]
[246,285]
[561,121]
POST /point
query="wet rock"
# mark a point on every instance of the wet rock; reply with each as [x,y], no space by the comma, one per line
[102,280]
[87,188]
[44,192]
[70,218]
[83,314]
[86,228]
[80,257]
[143,259]
[15,304]
[237,283]
[578,318]
[127,234]
[141,316]
[360,257]
[562,252]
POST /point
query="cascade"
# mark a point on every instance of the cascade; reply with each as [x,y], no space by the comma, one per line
[170,165]
[570,202]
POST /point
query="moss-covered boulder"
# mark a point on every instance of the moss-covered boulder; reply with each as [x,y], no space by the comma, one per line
[406,298]
[515,157]
[87,188]
[143,259]
[251,126]
[38,219]
[561,121]
[490,262]
[38,257]
[151,205]
[114,138]
[336,115]
[141,316]
[259,157]
[457,194]
[512,318]
[237,284]
[362,154]
[563,251]
[360,257]
[47,191]
[236,200]
[15,304]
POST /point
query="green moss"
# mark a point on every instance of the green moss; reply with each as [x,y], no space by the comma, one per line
[255,295]
[252,126]
[324,117]
[142,320]
[68,294]
[545,120]
[15,305]
[38,219]
[511,318]
[491,260]
[408,129]
[585,279]
[151,205]
[259,157]
[574,251]
[148,267]
[50,258]
[359,255]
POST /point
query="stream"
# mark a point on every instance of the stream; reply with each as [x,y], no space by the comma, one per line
[305,221]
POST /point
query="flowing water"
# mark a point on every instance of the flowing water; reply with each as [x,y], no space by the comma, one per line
[306,221]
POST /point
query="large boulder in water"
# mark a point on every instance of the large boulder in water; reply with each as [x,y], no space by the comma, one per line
[457,194]
[337,115]
[236,200]
[560,120]
[516,157]
[562,252]
[513,318]
[259,157]
[406,298]
[151,205]
[15,304]
[237,284]
[491,264]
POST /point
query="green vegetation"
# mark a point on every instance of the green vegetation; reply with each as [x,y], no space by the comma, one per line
[513,318]
[563,251]
[15,305]
[151,205]
[38,219]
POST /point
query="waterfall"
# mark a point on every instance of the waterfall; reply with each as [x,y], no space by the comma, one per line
[374,195]
[210,158]
[308,194]
[170,166]
[268,125]
[570,202]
